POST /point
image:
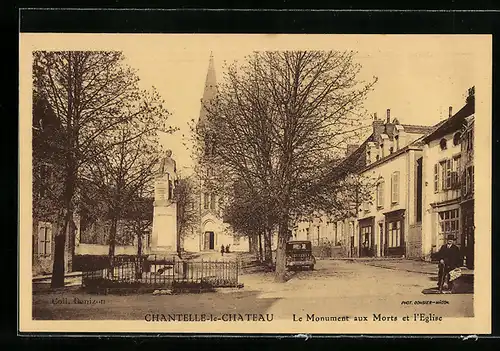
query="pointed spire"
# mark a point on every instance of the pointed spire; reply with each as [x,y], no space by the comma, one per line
[210,89]
[210,82]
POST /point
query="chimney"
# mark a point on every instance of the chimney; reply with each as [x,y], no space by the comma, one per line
[388,115]
[450,111]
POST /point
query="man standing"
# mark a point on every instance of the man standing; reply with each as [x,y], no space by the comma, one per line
[449,259]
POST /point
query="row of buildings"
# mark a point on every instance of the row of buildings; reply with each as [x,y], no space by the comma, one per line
[424,191]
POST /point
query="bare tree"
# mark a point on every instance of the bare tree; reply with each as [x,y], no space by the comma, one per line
[281,122]
[90,93]
[187,214]
[126,166]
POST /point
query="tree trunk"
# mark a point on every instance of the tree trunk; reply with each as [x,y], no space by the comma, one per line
[268,252]
[261,253]
[280,250]
[139,245]
[64,217]
[58,269]
[112,246]
[178,241]
[139,263]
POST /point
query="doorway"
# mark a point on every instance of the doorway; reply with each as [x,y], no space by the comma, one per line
[366,241]
[209,241]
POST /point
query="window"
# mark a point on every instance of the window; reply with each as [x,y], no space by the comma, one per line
[394,234]
[450,169]
[445,174]
[380,194]
[44,239]
[366,237]
[206,201]
[307,234]
[395,188]
[448,224]
[455,180]
[212,201]
[456,138]
[391,150]
[470,139]
[469,180]
[443,144]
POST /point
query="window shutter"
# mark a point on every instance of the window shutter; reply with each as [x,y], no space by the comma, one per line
[40,238]
[436,178]
[49,239]
[395,187]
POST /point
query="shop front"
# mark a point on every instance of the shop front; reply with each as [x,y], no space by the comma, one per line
[367,237]
[395,233]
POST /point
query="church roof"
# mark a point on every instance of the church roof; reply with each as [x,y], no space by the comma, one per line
[209,91]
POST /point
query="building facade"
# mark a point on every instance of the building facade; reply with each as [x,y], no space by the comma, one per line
[467,189]
[390,224]
[448,178]
[212,232]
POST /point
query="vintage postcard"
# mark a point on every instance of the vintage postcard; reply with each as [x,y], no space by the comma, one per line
[333,184]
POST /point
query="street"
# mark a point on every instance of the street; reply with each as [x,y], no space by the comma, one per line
[334,288]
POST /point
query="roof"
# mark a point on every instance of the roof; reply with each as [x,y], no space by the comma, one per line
[410,128]
[454,123]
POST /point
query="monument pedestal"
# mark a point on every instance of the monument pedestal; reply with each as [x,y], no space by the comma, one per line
[164,234]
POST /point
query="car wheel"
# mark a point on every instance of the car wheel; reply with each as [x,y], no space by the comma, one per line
[311,267]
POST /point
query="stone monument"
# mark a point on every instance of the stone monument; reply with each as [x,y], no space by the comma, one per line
[164,235]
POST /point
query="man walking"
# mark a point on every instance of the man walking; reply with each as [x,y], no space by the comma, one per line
[449,259]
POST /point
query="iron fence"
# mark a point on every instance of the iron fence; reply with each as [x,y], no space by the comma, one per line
[164,272]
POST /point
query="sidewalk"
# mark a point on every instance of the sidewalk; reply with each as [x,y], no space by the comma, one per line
[411,266]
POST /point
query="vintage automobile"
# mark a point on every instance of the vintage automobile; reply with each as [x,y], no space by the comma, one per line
[299,255]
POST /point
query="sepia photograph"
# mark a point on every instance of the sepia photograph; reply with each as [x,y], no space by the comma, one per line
[255,183]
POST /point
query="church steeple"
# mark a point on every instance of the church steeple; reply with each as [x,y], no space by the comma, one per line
[209,91]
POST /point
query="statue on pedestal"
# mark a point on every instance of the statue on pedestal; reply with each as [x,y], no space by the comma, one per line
[167,165]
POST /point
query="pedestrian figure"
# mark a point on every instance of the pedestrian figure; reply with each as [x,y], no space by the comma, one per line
[449,259]
[222,250]
[227,249]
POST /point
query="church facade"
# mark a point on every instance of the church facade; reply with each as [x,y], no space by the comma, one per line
[212,232]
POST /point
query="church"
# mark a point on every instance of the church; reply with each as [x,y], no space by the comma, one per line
[212,232]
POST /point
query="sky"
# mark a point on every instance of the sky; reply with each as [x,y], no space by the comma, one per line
[419,76]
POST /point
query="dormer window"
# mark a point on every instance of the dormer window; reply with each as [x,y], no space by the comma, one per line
[443,144]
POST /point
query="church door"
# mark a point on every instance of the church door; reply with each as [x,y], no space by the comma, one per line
[209,241]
